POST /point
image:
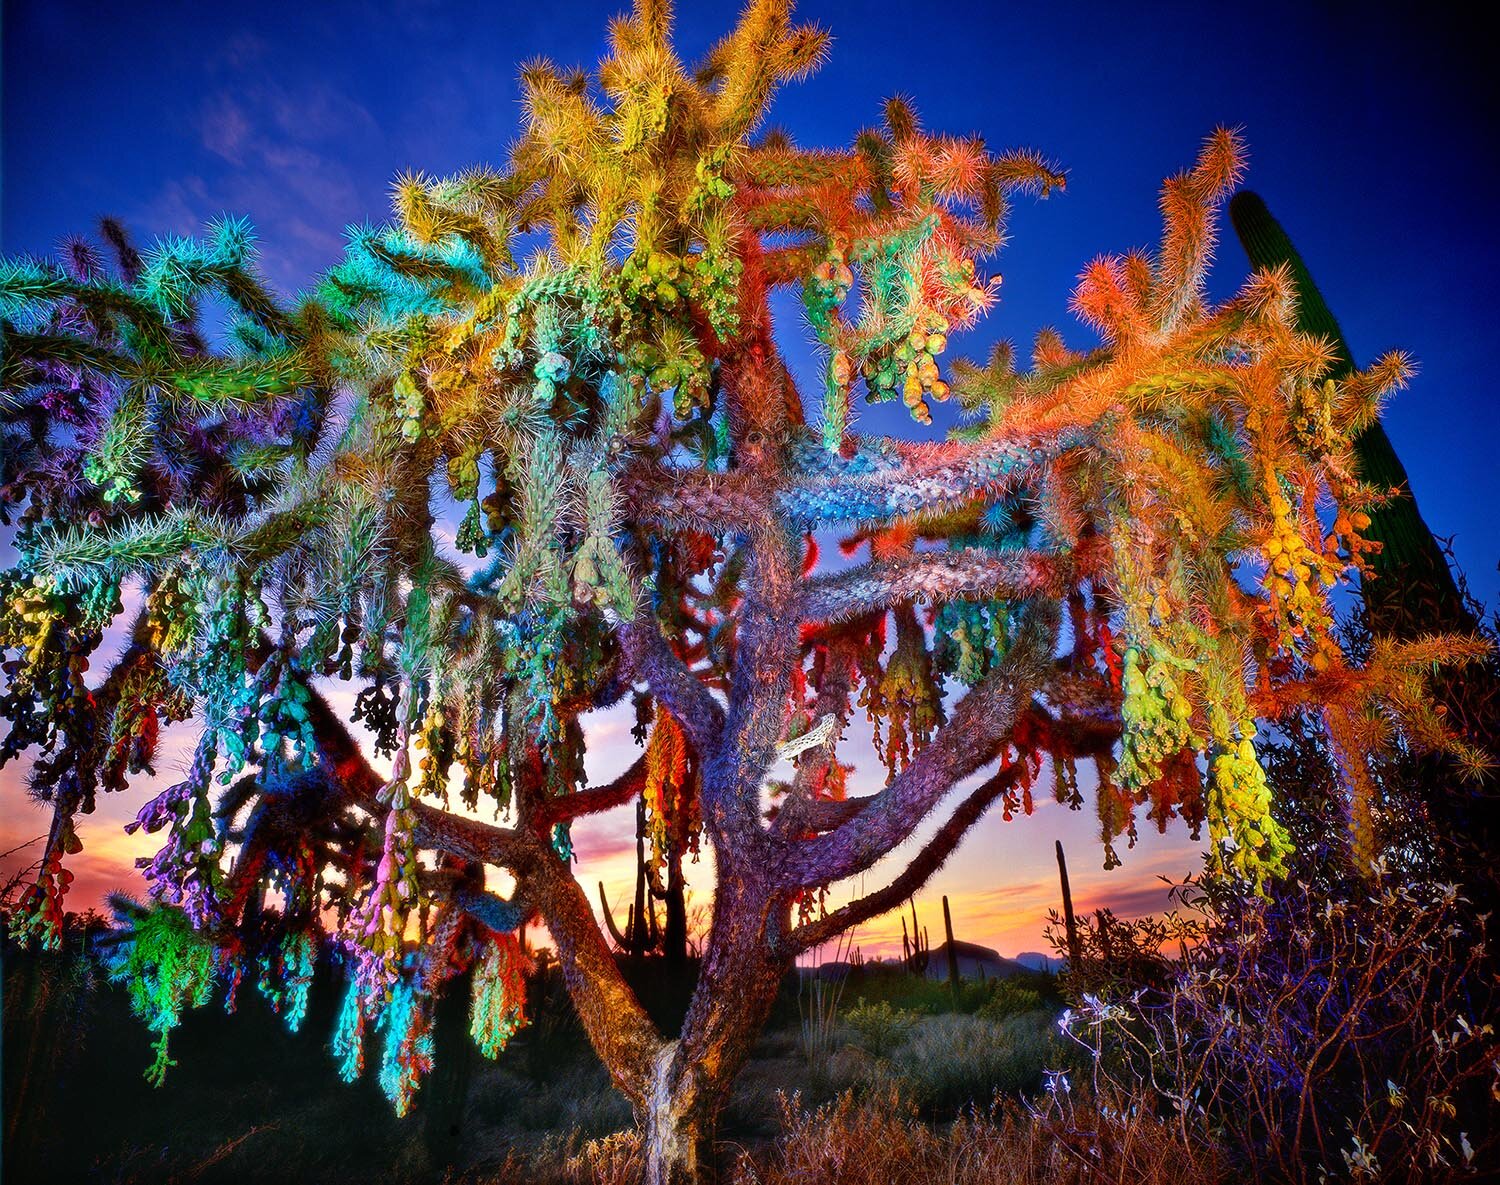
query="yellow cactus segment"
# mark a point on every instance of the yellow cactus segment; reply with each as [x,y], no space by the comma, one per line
[1244,838]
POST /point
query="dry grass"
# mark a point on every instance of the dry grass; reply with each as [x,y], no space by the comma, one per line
[880,1140]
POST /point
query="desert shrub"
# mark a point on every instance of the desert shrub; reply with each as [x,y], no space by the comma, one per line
[613,1160]
[1124,955]
[879,1027]
[1009,998]
[948,1062]
[878,983]
[1339,1033]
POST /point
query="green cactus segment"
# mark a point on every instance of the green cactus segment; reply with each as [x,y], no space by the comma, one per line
[168,967]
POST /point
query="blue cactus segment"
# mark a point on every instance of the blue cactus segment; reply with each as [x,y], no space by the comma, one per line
[496,913]
[865,455]
[406,1055]
[928,480]
[349,1034]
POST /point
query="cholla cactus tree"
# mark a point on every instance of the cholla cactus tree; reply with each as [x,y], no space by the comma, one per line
[1122,555]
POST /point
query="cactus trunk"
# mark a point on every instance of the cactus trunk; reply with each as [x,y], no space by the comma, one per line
[952,950]
[1069,919]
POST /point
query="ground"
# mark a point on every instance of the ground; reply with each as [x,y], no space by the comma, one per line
[247,1099]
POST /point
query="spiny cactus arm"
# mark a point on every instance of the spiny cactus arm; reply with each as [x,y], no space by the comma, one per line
[28,286]
[75,553]
[809,816]
[500,914]
[965,574]
[693,501]
[617,1026]
[764,50]
[670,680]
[567,807]
[1188,203]
[950,463]
[979,723]
[473,839]
[353,775]
[231,386]
[338,750]
[916,874]
[925,478]
[875,484]
[28,356]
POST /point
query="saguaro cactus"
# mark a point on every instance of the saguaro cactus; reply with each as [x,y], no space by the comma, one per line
[916,952]
[953,977]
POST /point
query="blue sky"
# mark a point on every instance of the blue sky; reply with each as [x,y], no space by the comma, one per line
[1370,138]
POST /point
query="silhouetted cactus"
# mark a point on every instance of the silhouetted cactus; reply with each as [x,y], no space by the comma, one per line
[916,950]
[644,933]
[952,948]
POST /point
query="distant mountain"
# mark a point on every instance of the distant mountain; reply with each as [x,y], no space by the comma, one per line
[974,962]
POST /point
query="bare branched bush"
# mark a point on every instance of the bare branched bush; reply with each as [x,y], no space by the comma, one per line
[1061,1140]
[1341,1033]
[614,1160]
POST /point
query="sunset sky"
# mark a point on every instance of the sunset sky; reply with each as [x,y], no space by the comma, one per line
[1368,140]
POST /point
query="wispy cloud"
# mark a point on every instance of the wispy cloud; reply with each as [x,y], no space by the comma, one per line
[225,128]
[278,154]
